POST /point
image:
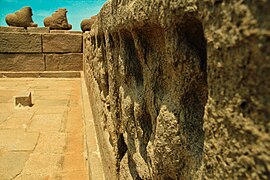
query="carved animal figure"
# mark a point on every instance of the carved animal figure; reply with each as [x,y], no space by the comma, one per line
[21,18]
[86,24]
[58,20]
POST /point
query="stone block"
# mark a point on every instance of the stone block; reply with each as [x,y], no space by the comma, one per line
[20,42]
[64,62]
[23,99]
[38,29]
[58,31]
[12,29]
[75,32]
[39,74]
[66,43]
[22,62]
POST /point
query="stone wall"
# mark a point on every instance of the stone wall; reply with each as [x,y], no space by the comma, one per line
[180,89]
[39,49]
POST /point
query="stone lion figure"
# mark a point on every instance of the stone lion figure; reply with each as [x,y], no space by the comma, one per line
[86,24]
[58,20]
[21,18]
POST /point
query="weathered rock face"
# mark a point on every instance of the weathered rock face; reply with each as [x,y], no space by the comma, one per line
[21,18]
[58,20]
[237,114]
[86,24]
[159,71]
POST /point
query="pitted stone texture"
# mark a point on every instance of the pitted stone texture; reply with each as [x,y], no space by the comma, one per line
[146,65]
[58,20]
[65,43]
[22,62]
[21,18]
[20,42]
[151,65]
[64,62]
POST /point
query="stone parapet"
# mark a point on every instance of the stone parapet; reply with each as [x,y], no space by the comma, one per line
[26,49]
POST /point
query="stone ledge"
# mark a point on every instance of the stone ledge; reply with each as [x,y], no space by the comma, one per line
[41,74]
[12,29]
[38,29]
[65,32]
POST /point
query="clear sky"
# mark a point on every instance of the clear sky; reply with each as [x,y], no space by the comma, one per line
[77,9]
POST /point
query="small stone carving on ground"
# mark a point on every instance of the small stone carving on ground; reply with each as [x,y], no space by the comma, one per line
[21,18]
[86,24]
[58,20]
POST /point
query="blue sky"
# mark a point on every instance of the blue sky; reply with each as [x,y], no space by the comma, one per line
[77,9]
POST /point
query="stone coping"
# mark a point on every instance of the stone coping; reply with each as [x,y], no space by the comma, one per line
[41,74]
[35,30]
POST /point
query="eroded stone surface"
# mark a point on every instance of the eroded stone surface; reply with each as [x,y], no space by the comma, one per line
[161,70]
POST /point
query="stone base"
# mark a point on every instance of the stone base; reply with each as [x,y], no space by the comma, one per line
[23,99]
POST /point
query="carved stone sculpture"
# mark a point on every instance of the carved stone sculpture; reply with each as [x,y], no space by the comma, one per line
[21,18]
[86,24]
[58,20]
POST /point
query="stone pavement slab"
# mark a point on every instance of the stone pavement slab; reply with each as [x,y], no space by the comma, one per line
[51,142]
[17,120]
[47,140]
[3,117]
[46,123]
[17,140]
[42,163]
[11,164]
[35,139]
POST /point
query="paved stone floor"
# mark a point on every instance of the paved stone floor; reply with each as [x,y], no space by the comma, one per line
[45,141]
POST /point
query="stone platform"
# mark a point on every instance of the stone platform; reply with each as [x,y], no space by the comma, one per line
[47,140]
